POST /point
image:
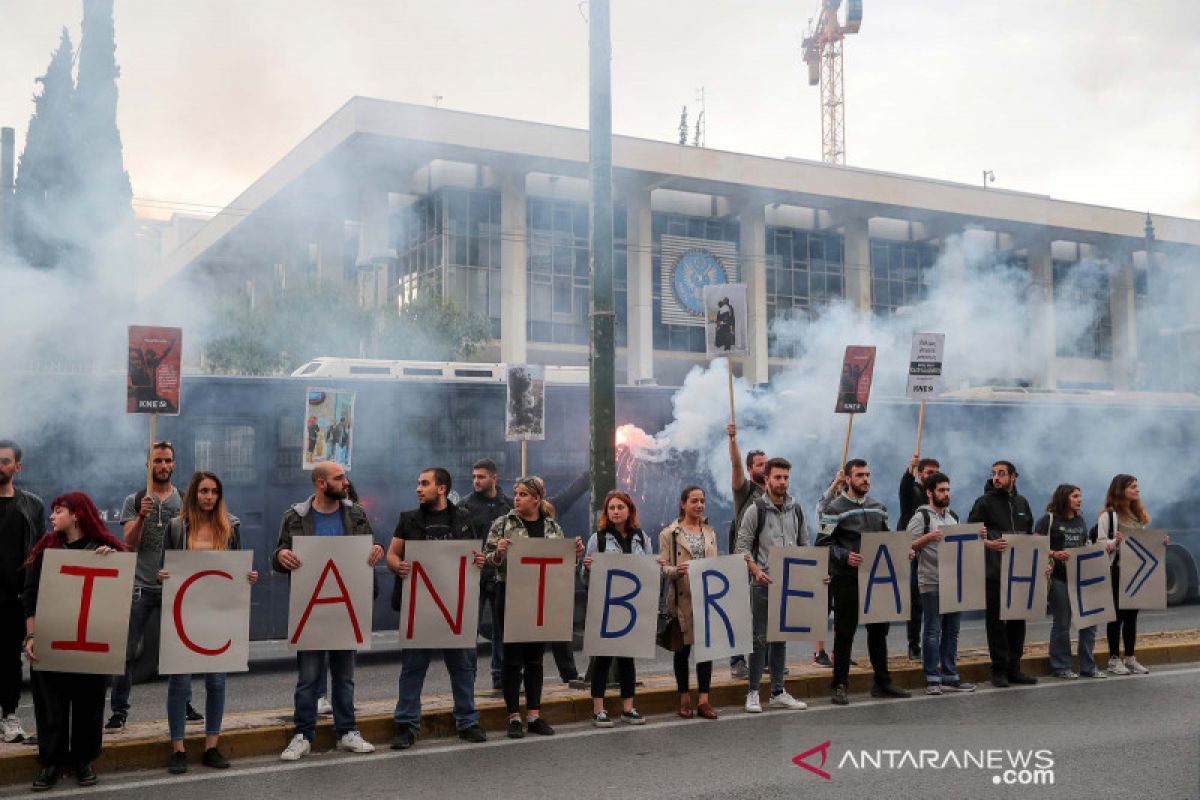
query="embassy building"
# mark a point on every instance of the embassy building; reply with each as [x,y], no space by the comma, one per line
[492,214]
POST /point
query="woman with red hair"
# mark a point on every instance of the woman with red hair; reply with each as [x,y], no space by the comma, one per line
[68,707]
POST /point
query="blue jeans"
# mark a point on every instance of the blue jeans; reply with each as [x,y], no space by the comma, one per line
[939,642]
[311,664]
[145,603]
[774,653]
[179,694]
[1060,633]
[414,663]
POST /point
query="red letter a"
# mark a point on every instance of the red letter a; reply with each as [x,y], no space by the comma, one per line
[316,599]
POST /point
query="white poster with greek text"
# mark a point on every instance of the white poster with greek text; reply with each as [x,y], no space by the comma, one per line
[925,366]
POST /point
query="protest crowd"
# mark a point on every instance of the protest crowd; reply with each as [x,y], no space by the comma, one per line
[843,557]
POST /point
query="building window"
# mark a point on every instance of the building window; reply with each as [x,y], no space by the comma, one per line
[668,336]
[559,271]
[1083,286]
[899,272]
[227,450]
[805,272]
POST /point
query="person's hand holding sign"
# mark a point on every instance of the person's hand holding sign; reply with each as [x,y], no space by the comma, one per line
[404,569]
[288,560]
[477,559]
[376,554]
[854,559]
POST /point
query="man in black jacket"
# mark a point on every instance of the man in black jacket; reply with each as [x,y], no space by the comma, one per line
[22,522]
[435,519]
[1003,512]
[485,505]
[912,497]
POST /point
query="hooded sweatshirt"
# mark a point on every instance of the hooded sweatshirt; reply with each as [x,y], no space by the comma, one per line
[1002,512]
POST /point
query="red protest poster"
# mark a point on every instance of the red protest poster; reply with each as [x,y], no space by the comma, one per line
[854,387]
[152,386]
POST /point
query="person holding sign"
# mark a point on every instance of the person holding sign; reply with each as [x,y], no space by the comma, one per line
[747,484]
[327,512]
[68,706]
[531,517]
[486,504]
[618,530]
[1063,522]
[22,523]
[687,538]
[203,524]
[1123,511]
[435,519]
[940,639]
[912,496]
[773,520]
[845,517]
[1002,510]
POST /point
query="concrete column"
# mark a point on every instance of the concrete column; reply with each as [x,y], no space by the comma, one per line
[1122,303]
[330,243]
[639,353]
[856,261]
[375,251]
[514,271]
[1043,338]
[752,255]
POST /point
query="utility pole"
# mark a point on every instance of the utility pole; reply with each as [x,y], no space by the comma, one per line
[602,372]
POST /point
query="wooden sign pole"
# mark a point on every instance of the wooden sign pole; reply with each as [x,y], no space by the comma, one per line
[524,457]
[732,418]
[150,456]
[920,426]
[846,445]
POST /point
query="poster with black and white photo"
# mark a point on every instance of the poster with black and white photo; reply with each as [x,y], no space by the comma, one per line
[725,320]
[525,411]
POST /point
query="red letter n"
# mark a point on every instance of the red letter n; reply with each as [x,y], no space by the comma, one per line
[455,622]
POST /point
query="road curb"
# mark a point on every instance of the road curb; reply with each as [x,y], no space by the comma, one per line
[658,696]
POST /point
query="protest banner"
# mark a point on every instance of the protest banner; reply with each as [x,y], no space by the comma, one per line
[883,590]
[441,595]
[1089,586]
[328,427]
[622,609]
[525,407]
[1143,571]
[961,574]
[1023,588]
[82,615]
[726,328]
[720,607]
[205,620]
[329,606]
[152,380]
[797,597]
[854,387]
[925,373]
[539,602]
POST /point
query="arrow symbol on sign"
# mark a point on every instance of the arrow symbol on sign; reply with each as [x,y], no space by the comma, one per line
[1140,550]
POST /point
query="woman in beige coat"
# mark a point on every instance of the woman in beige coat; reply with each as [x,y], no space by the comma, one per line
[687,538]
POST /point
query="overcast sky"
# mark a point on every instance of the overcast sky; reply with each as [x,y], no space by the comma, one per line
[1087,100]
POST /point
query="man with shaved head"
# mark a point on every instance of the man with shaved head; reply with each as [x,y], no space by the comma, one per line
[328,512]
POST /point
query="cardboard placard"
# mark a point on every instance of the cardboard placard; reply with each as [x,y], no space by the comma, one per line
[720,607]
[328,427]
[441,595]
[329,607]
[1023,587]
[205,620]
[152,379]
[854,386]
[82,619]
[961,569]
[1143,570]
[925,366]
[797,597]
[883,582]
[539,601]
[1089,586]
[525,407]
[622,609]
[726,320]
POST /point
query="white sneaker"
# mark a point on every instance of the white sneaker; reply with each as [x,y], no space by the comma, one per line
[324,707]
[354,743]
[785,700]
[11,730]
[1134,667]
[1117,667]
[752,704]
[297,748]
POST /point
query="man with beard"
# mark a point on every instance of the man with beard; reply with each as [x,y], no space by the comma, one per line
[912,496]
[144,520]
[485,505]
[328,512]
[748,485]
[1002,511]
[436,519]
[22,522]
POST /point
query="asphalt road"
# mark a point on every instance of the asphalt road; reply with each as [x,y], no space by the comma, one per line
[1135,737]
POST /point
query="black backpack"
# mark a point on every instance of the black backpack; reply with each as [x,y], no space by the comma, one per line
[761,502]
[1094,531]
[924,512]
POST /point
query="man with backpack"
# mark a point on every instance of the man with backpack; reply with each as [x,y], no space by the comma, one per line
[774,519]
[940,657]
[748,485]
[912,496]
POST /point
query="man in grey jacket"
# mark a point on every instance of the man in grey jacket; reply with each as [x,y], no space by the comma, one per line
[772,520]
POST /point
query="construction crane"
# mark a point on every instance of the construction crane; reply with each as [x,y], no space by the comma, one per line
[823,54]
